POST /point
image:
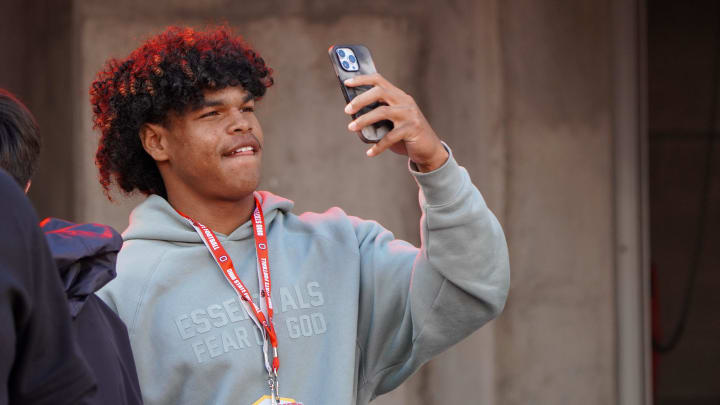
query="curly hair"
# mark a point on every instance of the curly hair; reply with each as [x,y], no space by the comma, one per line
[169,72]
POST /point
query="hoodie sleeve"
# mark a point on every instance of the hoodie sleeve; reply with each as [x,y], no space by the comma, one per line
[416,303]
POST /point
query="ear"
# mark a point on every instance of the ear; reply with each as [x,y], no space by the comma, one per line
[154,138]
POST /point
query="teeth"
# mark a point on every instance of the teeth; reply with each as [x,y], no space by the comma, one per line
[244,149]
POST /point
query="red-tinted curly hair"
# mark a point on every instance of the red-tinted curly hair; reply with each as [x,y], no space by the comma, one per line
[167,73]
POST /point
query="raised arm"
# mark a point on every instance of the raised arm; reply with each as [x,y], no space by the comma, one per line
[417,302]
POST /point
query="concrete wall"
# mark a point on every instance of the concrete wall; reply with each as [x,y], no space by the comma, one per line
[558,331]
[518,88]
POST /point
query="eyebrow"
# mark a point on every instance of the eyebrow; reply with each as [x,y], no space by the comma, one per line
[213,103]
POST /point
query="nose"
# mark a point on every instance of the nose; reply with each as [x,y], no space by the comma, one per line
[239,123]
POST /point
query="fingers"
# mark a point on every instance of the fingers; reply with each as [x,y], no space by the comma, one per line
[382,91]
[364,99]
[412,134]
[374,79]
[390,139]
[384,112]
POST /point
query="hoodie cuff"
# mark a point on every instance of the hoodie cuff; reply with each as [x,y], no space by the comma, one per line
[441,185]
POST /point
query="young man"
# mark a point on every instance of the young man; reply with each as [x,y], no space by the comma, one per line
[352,311]
[84,256]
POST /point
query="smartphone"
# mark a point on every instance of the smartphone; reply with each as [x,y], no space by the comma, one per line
[354,60]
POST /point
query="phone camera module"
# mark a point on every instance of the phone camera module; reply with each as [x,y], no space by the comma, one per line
[347,59]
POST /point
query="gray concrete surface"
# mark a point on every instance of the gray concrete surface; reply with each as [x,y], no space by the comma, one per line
[556,339]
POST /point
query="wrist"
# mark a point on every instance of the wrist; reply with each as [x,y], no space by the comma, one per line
[438,159]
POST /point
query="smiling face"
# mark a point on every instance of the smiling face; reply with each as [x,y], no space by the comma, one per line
[212,152]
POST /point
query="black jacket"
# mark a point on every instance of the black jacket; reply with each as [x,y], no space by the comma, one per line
[85,256]
[40,362]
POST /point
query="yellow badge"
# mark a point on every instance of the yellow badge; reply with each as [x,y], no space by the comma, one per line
[266,400]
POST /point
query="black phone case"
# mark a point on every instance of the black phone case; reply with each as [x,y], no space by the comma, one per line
[371,133]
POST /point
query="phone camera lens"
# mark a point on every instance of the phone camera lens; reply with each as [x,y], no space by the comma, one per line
[345,64]
[341,53]
[352,58]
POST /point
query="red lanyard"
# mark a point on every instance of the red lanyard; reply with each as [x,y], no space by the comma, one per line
[223,260]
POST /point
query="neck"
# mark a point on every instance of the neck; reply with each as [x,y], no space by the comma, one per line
[219,215]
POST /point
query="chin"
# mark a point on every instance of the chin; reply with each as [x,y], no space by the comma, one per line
[241,188]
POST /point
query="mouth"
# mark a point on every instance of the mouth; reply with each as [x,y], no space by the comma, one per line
[246,147]
[242,151]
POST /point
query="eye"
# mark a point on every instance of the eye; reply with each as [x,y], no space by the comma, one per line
[209,114]
[248,109]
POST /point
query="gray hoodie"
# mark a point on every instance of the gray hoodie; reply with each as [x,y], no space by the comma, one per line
[356,310]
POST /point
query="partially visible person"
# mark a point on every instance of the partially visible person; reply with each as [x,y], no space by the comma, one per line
[40,362]
[84,255]
[19,140]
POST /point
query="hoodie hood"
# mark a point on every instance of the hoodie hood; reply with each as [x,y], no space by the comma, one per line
[84,254]
[156,219]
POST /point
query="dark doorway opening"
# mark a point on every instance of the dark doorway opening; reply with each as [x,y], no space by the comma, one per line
[684,149]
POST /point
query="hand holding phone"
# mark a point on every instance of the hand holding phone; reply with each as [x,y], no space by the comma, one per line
[350,61]
[382,113]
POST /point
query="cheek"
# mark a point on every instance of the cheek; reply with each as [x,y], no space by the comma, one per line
[200,143]
[198,156]
[257,129]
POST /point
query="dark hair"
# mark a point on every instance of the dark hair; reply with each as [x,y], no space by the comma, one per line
[19,139]
[169,72]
